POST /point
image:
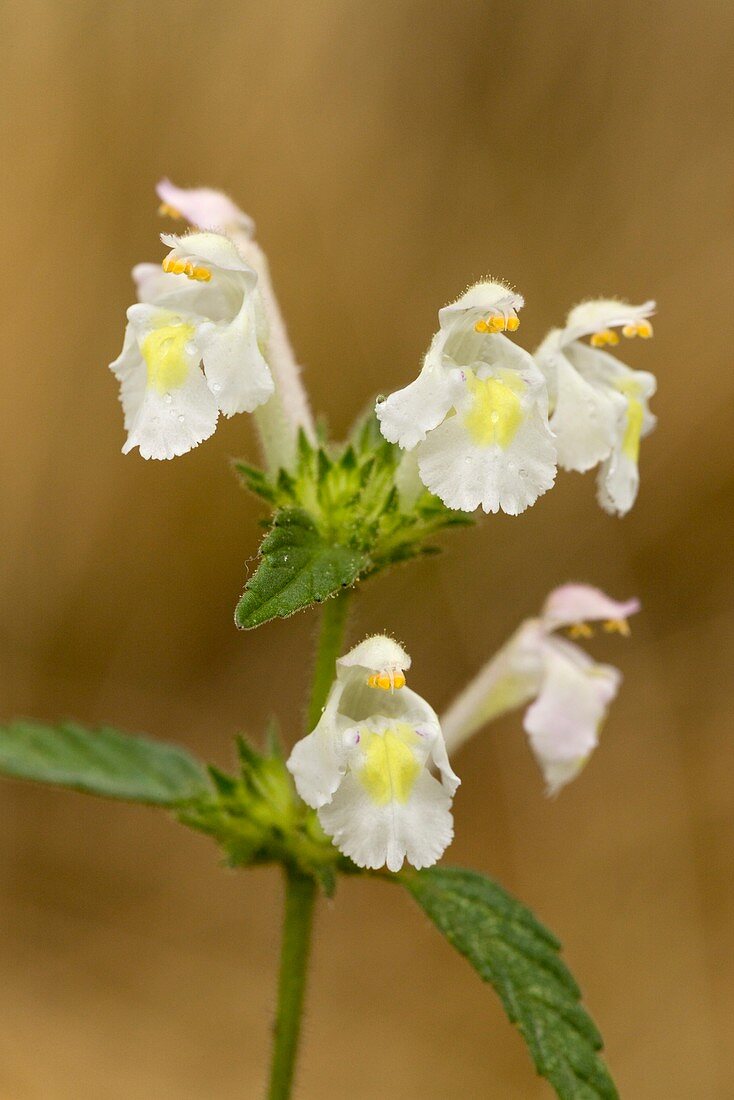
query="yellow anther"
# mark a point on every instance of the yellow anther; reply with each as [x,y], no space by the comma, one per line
[167,211]
[513,323]
[185,267]
[580,630]
[387,681]
[496,324]
[481,326]
[617,626]
[606,336]
[638,328]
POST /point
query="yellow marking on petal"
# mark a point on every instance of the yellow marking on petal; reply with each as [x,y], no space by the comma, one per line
[390,768]
[617,626]
[633,429]
[606,336]
[630,387]
[167,211]
[496,412]
[163,350]
[580,630]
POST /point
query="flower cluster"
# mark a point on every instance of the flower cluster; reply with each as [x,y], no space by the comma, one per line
[366,766]
[488,422]
[484,425]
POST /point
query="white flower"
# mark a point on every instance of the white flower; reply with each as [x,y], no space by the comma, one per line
[365,767]
[201,306]
[287,412]
[571,693]
[477,412]
[599,405]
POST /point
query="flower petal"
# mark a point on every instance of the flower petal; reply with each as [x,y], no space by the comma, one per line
[466,476]
[166,428]
[578,603]
[129,369]
[563,723]
[509,680]
[168,407]
[318,763]
[235,368]
[488,297]
[375,835]
[603,313]
[407,415]
[210,248]
[204,207]
[375,653]
[584,416]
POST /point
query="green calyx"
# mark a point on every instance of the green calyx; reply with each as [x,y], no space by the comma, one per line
[341,515]
[257,817]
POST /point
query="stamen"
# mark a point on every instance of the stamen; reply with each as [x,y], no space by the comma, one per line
[167,211]
[606,336]
[172,266]
[638,328]
[389,680]
[580,630]
[617,626]
[496,323]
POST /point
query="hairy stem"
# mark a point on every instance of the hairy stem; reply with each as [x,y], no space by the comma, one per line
[300,890]
[300,893]
[333,624]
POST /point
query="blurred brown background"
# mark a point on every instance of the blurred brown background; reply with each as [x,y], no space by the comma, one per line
[390,153]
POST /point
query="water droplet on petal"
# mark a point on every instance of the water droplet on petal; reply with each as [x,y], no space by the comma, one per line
[181,418]
[216,387]
[167,398]
[191,348]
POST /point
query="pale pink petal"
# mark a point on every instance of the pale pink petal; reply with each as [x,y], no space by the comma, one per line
[203,207]
[578,603]
[564,721]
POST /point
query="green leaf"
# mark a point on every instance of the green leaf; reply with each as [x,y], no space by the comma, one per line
[103,762]
[512,951]
[299,567]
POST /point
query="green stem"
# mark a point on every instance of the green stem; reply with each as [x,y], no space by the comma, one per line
[333,623]
[300,890]
[299,904]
